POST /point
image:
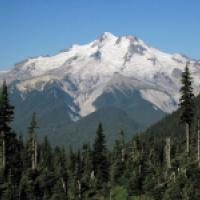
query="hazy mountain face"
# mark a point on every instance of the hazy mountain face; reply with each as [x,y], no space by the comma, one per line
[123,72]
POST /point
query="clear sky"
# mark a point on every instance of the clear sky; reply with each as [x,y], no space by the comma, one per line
[40,27]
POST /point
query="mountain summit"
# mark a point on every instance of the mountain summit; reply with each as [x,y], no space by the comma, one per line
[120,72]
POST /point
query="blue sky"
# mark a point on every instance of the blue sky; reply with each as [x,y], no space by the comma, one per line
[40,27]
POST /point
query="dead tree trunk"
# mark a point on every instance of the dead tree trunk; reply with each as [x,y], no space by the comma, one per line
[123,155]
[168,153]
[173,177]
[79,190]
[63,185]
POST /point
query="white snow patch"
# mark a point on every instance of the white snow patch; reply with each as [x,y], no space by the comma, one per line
[160,99]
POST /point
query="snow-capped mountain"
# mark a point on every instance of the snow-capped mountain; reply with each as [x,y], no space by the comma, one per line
[85,71]
[108,65]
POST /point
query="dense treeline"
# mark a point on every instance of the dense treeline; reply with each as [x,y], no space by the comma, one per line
[150,166]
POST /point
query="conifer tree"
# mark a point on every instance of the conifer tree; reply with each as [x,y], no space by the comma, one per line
[87,166]
[33,124]
[6,110]
[32,144]
[87,181]
[46,155]
[100,161]
[72,161]
[187,104]
[118,159]
[7,137]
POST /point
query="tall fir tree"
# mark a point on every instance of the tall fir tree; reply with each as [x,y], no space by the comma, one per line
[7,136]
[9,146]
[118,159]
[46,155]
[6,110]
[100,160]
[187,103]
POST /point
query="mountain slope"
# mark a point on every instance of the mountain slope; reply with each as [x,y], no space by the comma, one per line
[52,107]
[171,125]
[83,131]
[131,101]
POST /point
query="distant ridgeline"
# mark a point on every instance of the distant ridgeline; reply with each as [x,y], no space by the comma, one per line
[161,163]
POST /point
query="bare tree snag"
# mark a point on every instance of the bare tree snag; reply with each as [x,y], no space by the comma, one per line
[168,153]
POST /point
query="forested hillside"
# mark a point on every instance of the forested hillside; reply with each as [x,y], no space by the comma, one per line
[162,163]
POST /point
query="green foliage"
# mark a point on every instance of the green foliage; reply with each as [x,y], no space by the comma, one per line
[118,193]
[143,197]
[6,110]
[186,100]
[46,156]
[100,161]
[33,125]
